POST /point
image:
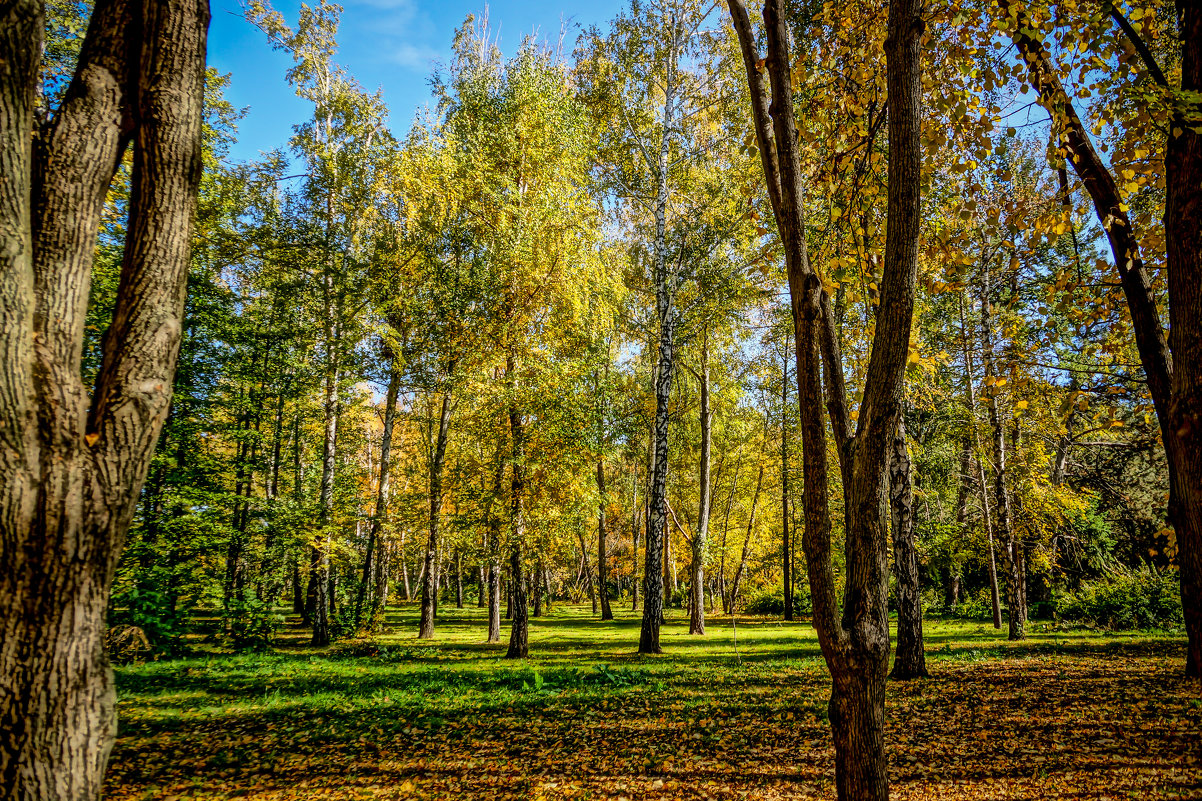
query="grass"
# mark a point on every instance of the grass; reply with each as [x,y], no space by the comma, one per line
[1064,714]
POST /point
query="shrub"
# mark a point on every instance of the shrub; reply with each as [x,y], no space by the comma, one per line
[250,624]
[770,602]
[1137,600]
[151,614]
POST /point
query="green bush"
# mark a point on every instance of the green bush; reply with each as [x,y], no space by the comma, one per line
[770,602]
[1138,600]
[250,624]
[150,612]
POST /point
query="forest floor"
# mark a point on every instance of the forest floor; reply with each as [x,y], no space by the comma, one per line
[1066,714]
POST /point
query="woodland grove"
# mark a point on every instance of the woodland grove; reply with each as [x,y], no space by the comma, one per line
[847,313]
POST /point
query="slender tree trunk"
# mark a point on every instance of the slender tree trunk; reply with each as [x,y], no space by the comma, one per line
[494,600]
[657,528]
[519,634]
[373,560]
[786,549]
[458,579]
[602,559]
[1011,561]
[696,566]
[588,571]
[738,579]
[321,581]
[73,459]
[982,486]
[482,586]
[538,588]
[430,568]
[910,660]
[405,570]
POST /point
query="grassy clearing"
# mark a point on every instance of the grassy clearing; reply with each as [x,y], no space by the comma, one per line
[1066,714]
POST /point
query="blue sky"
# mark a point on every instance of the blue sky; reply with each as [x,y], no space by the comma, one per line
[390,44]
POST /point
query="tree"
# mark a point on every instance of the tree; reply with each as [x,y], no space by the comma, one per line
[1170,363]
[856,647]
[74,458]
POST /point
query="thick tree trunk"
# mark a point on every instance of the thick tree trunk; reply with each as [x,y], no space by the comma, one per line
[425,629]
[909,661]
[1183,210]
[856,642]
[602,559]
[519,632]
[72,464]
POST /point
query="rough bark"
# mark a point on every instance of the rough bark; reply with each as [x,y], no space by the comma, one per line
[855,644]
[657,525]
[425,629]
[588,571]
[1183,210]
[909,660]
[72,465]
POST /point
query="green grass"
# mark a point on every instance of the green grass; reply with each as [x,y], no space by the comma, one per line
[584,713]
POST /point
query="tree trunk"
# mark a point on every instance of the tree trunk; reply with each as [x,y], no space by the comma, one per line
[786,550]
[519,634]
[738,580]
[405,569]
[373,561]
[1174,381]
[72,463]
[1011,561]
[696,565]
[494,600]
[429,587]
[909,661]
[322,597]
[458,579]
[588,571]
[1183,210]
[538,588]
[982,486]
[666,314]
[482,582]
[855,643]
[602,560]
